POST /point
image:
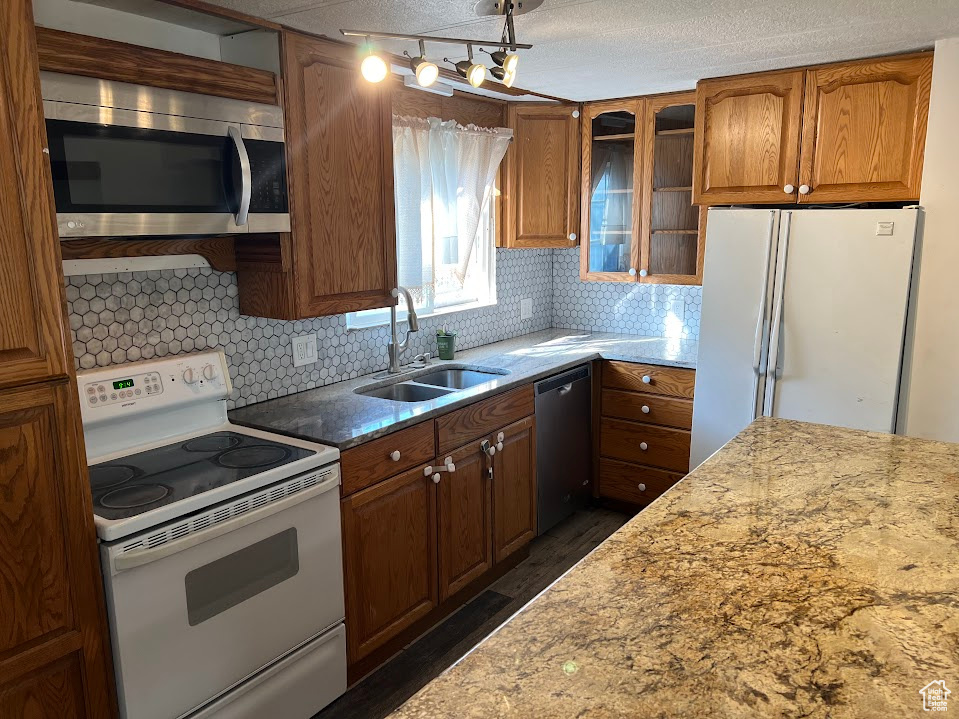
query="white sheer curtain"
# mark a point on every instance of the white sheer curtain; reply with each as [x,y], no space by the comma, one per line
[443,179]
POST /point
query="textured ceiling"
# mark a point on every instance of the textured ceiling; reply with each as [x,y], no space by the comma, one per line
[595,49]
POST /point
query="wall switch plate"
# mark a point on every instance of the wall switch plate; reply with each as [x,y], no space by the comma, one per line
[304,350]
[526,309]
[885,228]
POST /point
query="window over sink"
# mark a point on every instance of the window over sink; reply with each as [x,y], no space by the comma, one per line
[444,176]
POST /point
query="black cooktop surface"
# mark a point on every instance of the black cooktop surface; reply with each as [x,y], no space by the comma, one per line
[140,482]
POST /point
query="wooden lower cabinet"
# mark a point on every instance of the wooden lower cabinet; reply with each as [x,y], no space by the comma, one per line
[645,443]
[514,489]
[634,483]
[389,552]
[465,517]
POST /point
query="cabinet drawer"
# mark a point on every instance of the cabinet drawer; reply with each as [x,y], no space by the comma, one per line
[648,408]
[633,483]
[666,448]
[369,463]
[670,381]
[464,425]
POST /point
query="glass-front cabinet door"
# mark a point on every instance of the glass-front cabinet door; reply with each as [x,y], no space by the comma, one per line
[612,173]
[672,239]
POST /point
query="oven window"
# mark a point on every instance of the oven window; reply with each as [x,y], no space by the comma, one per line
[230,580]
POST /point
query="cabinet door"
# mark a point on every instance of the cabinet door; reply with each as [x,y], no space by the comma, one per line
[514,488]
[53,641]
[339,141]
[613,153]
[389,559]
[670,250]
[864,130]
[31,331]
[747,138]
[542,176]
[465,543]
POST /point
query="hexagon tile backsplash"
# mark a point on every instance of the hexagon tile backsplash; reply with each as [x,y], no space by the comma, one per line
[131,316]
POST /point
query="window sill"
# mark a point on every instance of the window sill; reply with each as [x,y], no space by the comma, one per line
[359,325]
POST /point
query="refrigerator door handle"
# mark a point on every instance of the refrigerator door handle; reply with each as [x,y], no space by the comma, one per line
[776,328]
[761,320]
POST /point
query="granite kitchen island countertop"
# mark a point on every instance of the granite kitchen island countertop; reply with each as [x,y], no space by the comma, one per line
[802,571]
[337,416]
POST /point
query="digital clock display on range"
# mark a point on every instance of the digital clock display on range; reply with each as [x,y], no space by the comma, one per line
[123,384]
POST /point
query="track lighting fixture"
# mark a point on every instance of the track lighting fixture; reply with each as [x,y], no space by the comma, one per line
[373,67]
[506,60]
[474,72]
[504,76]
[426,72]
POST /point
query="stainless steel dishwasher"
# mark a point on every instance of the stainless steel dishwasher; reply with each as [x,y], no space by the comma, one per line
[563,445]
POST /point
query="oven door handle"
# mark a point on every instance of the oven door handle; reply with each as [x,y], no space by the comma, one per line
[137,558]
[246,176]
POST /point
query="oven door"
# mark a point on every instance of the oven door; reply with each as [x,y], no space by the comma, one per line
[148,174]
[223,593]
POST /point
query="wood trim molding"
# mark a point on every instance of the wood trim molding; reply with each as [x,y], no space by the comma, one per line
[218,251]
[75,54]
[228,14]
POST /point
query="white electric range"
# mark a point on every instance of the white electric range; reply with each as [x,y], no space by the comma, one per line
[220,548]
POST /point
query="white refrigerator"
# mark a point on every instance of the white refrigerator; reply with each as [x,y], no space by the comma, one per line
[803,317]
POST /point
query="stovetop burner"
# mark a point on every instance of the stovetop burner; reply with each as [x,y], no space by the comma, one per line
[147,480]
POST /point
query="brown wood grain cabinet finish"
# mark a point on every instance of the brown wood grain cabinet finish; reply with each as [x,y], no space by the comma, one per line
[747,138]
[514,488]
[647,407]
[389,559]
[74,54]
[218,251]
[465,519]
[482,418]
[672,381]
[864,130]
[462,107]
[664,447]
[633,483]
[542,176]
[368,463]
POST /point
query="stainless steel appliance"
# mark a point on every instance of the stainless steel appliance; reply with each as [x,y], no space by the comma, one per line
[129,160]
[220,548]
[563,445]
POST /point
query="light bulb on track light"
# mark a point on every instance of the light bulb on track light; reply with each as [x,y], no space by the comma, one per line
[506,60]
[374,68]
[505,77]
[426,72]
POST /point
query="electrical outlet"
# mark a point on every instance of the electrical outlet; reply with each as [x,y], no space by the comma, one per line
[526,309]
[304,350]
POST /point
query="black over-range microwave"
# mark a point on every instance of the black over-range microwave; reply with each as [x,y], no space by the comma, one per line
[129,160]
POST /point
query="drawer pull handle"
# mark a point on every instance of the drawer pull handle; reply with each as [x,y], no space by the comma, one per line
[645,409]
[395,455]
[643,446]
[436,478]
[647,379]
[641,487]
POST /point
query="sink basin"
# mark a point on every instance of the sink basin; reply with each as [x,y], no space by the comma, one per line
[405,392]
[457,378]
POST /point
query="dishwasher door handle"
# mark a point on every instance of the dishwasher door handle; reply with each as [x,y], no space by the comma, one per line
[565,389]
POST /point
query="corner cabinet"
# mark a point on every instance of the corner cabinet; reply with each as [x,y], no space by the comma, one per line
[639,223]
[847,132]
[341,253]
[542,176]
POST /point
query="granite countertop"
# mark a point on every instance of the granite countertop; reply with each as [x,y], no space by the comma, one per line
[335,415]
[802,571]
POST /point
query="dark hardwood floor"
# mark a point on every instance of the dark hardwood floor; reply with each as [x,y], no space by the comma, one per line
[550,556]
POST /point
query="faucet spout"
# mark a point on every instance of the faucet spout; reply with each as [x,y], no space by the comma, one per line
[396,347]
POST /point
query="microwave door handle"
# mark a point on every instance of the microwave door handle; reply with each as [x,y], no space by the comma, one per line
[246,176]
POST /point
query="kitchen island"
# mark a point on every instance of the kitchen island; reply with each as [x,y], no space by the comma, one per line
[803,570]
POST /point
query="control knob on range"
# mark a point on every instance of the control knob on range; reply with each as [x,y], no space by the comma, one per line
[189,376]
[209,372]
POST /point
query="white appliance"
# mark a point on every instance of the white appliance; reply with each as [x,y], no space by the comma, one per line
[220,548]
[803,317]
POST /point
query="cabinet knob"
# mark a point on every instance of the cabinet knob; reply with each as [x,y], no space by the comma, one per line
[575,113]
[501,436]
[647,379]
[641,487]
[643,446]
[492,451]
[436,478]
[427,471]
[499,446]
[395,455]
[789,189]
[632,271]
[804,189]
[643,273]
[645,409]
[572,236]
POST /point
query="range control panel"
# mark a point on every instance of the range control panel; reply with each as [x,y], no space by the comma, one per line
[140,387]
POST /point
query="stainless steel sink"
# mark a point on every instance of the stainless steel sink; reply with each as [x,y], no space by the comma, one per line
[406,392]
[457,378]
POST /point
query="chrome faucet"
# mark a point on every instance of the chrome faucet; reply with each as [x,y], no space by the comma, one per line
[395,346]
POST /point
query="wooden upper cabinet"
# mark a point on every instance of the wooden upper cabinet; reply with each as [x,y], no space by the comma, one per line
[389,558]
[864,130]
[747,138]
[32,332]
[514,488]
[339,141]
[542,176]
